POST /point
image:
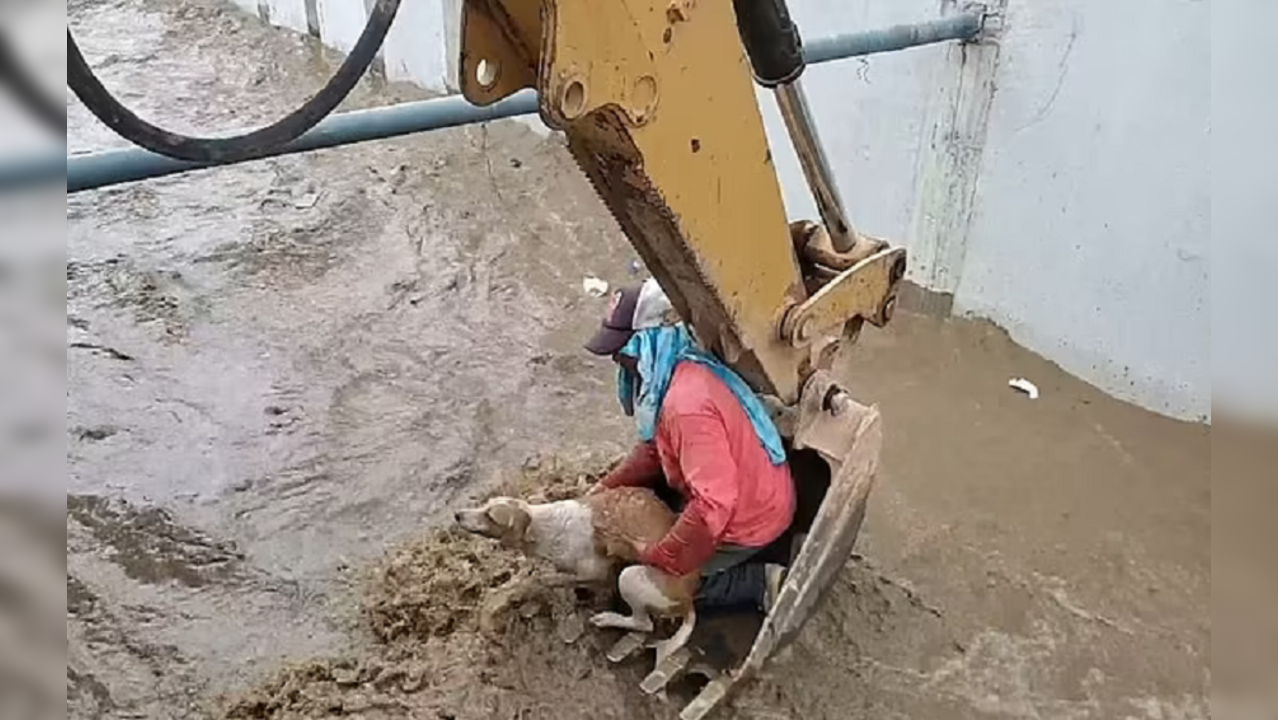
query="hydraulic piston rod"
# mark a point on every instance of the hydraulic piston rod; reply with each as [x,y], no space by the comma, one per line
[816,167]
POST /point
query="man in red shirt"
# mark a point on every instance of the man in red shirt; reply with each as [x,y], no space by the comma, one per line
[705,435]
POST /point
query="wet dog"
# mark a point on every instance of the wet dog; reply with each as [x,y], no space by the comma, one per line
[588,540]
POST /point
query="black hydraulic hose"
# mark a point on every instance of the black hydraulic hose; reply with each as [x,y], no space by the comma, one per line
[28,93]
[253,144]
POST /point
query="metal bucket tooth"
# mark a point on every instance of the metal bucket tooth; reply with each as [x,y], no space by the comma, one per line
[666,670]
[708,699]
[626,646]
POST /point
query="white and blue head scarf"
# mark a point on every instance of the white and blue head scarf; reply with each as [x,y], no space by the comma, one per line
[659,350]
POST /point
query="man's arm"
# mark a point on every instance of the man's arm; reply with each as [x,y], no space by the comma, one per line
[641,468]
[705,458]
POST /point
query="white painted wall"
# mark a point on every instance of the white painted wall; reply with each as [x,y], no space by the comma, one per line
[1088,231]
[342,21]
[421,47]
[416,49]
[288,13]
[1057,182]
[1091,239]
[1244,317]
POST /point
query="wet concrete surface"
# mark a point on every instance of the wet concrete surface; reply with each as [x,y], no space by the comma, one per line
[279,370]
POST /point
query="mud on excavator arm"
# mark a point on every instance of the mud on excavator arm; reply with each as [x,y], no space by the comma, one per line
[657,101]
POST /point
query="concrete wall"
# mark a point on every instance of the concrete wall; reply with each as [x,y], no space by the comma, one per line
[1244,317]
[1056,181]
[1091,235]
[421,47]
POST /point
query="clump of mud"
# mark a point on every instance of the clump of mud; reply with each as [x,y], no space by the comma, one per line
[435,586]
[320,688]
[463,631]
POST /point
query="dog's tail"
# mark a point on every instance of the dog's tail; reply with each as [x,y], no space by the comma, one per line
[668,647]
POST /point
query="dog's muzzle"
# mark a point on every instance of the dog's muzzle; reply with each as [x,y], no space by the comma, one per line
[472,521]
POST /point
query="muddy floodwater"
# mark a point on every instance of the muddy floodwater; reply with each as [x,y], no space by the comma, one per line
[284,376]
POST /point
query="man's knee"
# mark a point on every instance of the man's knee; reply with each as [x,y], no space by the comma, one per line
[737,587]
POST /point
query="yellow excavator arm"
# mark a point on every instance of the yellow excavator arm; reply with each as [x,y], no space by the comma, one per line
[658,105]
[657,101]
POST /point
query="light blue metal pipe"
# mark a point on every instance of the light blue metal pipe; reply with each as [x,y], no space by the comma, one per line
[898,37]
[100,169]
[85,172]
[35,171]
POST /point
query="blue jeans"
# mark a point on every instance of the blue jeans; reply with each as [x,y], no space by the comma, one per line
[730,582]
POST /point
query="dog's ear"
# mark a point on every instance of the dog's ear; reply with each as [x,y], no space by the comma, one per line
[501,514]
[515,521]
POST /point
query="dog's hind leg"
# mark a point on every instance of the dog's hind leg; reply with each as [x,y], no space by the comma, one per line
[673,657]
[641,596]
[668,647]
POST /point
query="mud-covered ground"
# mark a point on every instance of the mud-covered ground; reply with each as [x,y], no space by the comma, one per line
[283,376]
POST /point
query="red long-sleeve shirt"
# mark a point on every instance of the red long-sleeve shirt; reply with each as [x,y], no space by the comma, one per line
[709,452]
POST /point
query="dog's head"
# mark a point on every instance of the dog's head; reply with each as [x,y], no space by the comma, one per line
[502,518]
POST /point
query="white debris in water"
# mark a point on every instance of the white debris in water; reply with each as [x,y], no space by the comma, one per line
[1024,386]
[594,287]
[306,202]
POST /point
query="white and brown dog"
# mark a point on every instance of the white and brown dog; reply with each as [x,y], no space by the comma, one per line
[588,540]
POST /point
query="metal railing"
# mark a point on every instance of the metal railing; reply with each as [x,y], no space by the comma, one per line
[101,169]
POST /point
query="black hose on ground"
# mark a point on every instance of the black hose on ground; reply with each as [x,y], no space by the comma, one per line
[250,145]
